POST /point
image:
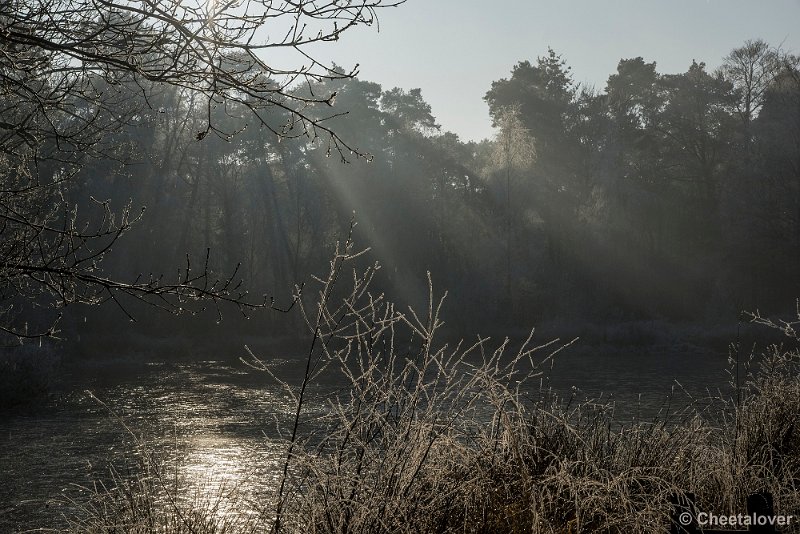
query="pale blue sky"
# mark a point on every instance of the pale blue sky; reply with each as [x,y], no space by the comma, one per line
[454,49]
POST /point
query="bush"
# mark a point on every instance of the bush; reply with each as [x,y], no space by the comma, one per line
[434,438]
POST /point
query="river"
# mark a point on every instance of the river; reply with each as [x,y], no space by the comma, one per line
[214,420]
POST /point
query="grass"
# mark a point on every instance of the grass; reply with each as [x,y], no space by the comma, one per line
[434,438]
[138,501]
[146,495]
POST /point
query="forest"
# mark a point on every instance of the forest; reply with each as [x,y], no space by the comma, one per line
[659,196]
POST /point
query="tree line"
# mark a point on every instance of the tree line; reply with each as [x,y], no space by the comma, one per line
[671,196]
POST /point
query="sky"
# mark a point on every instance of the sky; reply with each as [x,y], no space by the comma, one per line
[454,49]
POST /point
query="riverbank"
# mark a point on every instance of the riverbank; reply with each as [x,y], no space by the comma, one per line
[466,451]
[384,425]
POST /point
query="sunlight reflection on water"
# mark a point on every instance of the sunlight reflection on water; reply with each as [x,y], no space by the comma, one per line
[222,474]
[214,424]
[210,423]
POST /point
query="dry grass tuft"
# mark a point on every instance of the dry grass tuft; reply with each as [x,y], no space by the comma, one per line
[434,438]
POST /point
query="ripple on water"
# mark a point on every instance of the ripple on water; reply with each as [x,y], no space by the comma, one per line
[215,424]
[216,428]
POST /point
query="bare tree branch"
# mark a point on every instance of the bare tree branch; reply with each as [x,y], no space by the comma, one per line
[75,72]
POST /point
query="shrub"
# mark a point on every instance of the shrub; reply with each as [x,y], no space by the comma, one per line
[440,438]
[431,437]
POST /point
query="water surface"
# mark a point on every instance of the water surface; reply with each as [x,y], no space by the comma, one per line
[214,421]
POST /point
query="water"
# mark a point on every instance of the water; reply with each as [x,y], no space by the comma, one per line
[644,385]
[212,420]
[215,422]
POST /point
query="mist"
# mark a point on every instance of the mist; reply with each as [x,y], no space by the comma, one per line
[665,197]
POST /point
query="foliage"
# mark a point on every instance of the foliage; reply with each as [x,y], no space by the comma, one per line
[653,198]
